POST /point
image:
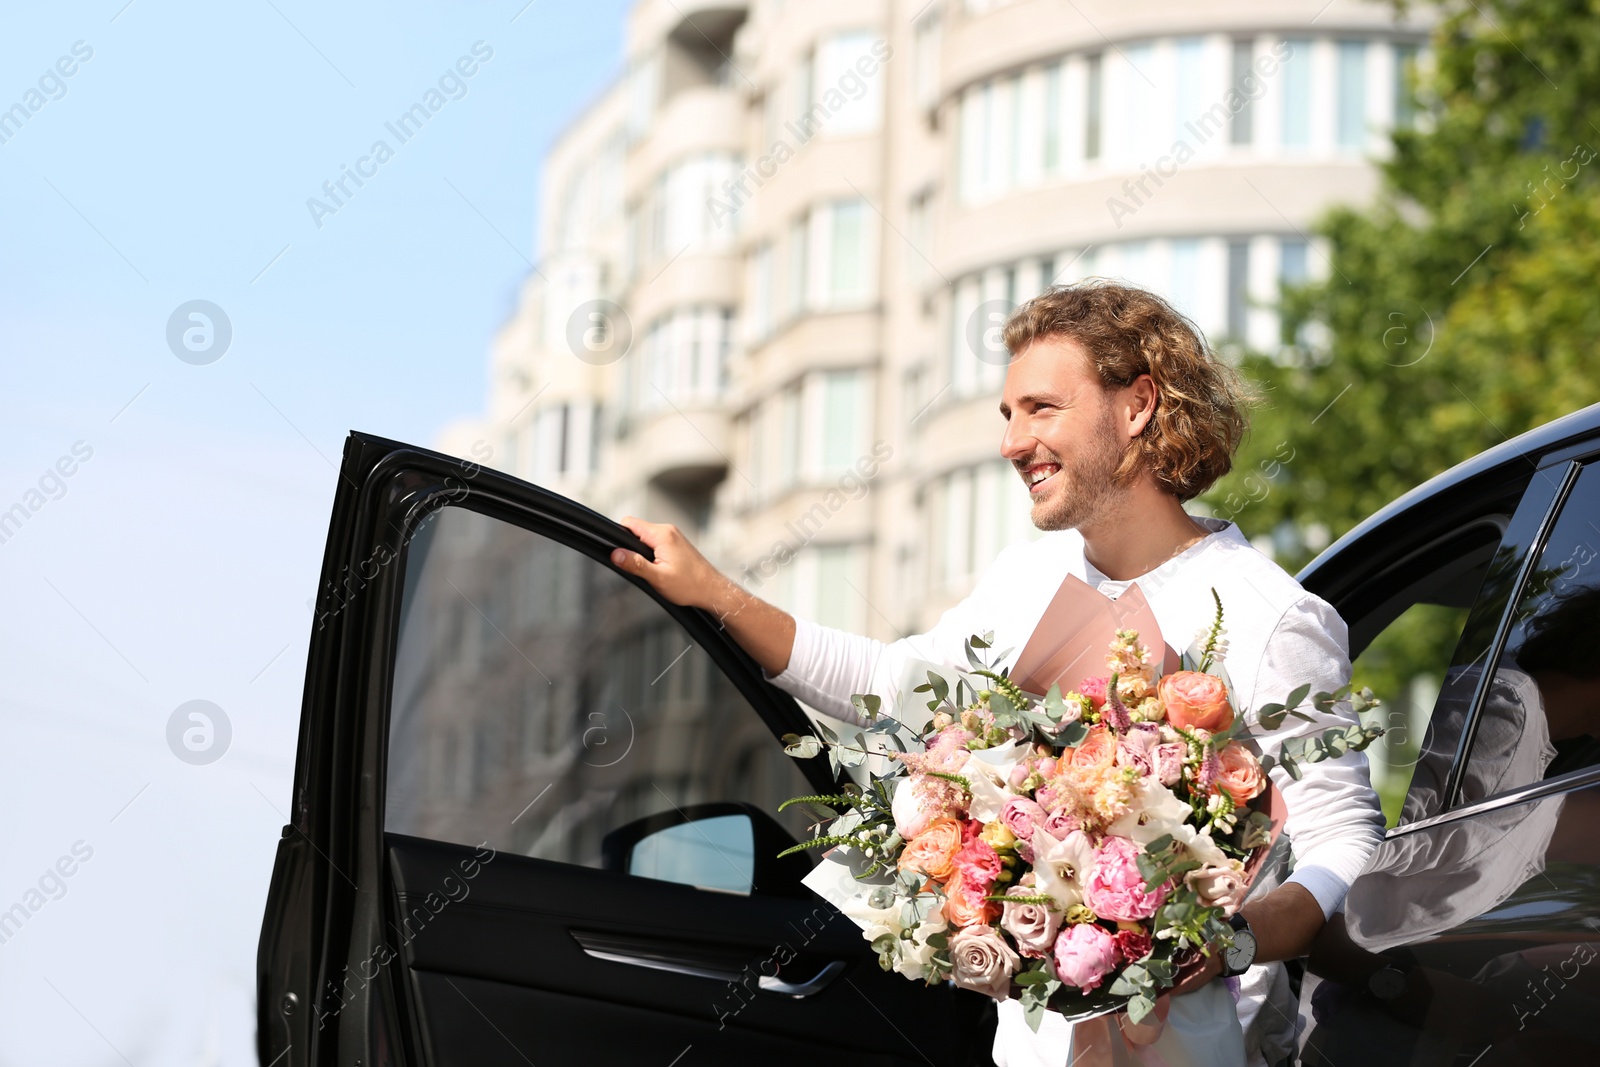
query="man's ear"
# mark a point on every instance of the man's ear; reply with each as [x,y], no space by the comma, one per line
[1139,398]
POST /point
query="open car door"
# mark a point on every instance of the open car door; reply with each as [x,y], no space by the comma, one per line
[534,813]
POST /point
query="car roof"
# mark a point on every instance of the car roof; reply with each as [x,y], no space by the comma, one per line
[1492,479]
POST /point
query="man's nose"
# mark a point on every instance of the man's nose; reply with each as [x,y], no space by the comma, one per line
[1016,443]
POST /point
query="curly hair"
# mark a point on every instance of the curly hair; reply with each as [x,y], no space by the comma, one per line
[1127,332]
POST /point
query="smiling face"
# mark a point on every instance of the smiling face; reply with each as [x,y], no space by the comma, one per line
[1063,434]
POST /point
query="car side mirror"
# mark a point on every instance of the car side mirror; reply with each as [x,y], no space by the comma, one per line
[727,847]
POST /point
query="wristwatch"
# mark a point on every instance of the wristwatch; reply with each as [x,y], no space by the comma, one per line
[1387,982]
[1237,958]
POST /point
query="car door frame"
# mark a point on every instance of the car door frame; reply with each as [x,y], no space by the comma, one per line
[319,921]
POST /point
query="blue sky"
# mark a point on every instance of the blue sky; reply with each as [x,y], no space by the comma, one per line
[174,561]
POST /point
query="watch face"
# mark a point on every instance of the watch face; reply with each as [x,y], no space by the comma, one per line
[1387,983]
[1243,953]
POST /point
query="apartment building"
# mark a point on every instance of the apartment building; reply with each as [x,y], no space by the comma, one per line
[774,255]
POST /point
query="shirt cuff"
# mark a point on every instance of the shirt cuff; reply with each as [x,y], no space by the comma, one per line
[1328,888]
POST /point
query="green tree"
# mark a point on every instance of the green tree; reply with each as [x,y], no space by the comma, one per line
[1458,309]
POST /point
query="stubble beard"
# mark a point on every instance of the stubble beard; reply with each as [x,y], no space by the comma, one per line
[1089,486]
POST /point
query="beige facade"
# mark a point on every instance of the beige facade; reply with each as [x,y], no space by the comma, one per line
[774,253]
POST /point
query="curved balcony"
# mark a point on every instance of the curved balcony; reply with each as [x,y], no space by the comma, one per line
[1014,35]
[1203,199]
[681,447]
[652,22]
[701,118]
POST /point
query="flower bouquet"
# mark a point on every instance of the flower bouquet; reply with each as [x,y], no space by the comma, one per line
[1076,851]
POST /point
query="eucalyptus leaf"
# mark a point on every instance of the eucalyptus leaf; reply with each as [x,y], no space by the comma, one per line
[801,747]
[868,704]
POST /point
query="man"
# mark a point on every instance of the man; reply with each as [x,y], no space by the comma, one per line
[1116,413]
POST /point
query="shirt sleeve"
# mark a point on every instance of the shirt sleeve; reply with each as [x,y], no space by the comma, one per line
[1334,819]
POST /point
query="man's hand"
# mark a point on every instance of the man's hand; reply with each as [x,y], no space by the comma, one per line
[1212,968]
[679,573]
[1284,923]
[683,576]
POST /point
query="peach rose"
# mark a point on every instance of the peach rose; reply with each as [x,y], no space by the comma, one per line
[1098,749]
[964,903]
[933,851]
[1240,773]
[1195,699]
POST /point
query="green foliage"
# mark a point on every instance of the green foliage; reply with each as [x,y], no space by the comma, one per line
[1458,306]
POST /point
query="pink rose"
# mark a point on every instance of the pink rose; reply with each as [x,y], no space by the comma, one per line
[1033,926]
[1095,690]
[978,863]
[1084,955]
[981,960]
[1115,889]
[1020,815]
[947,750]
[1136,748]
[1169,762]
[1195,699]
[1220,887]
[1061,822]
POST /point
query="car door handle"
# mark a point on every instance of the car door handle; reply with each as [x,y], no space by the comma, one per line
[812,985]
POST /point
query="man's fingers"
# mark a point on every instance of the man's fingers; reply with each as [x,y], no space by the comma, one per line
[628,560]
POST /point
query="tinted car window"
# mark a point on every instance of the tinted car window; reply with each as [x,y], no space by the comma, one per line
[1540,709]
[1404,627]
[1474,941]
[1493,569]
[541,701]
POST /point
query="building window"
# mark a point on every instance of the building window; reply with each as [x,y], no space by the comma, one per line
[1352,119]
[759,284]
[799,263]
[682,358]
[1242,130]
[1052,118]
[1292,267]
[838,604]
[1238,289]
[844,418]
[1185,289]
[1405,65]
[788,437]
[1191,82]
[853,102]
[1091,105]
[925,76]
[1296,90]
[847,275]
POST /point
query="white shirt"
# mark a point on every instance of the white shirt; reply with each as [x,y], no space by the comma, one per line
[1279,637]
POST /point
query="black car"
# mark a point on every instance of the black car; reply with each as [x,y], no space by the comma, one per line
[533,803]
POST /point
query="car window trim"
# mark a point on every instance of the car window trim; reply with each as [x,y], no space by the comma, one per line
[1570,782]
[1508,614]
